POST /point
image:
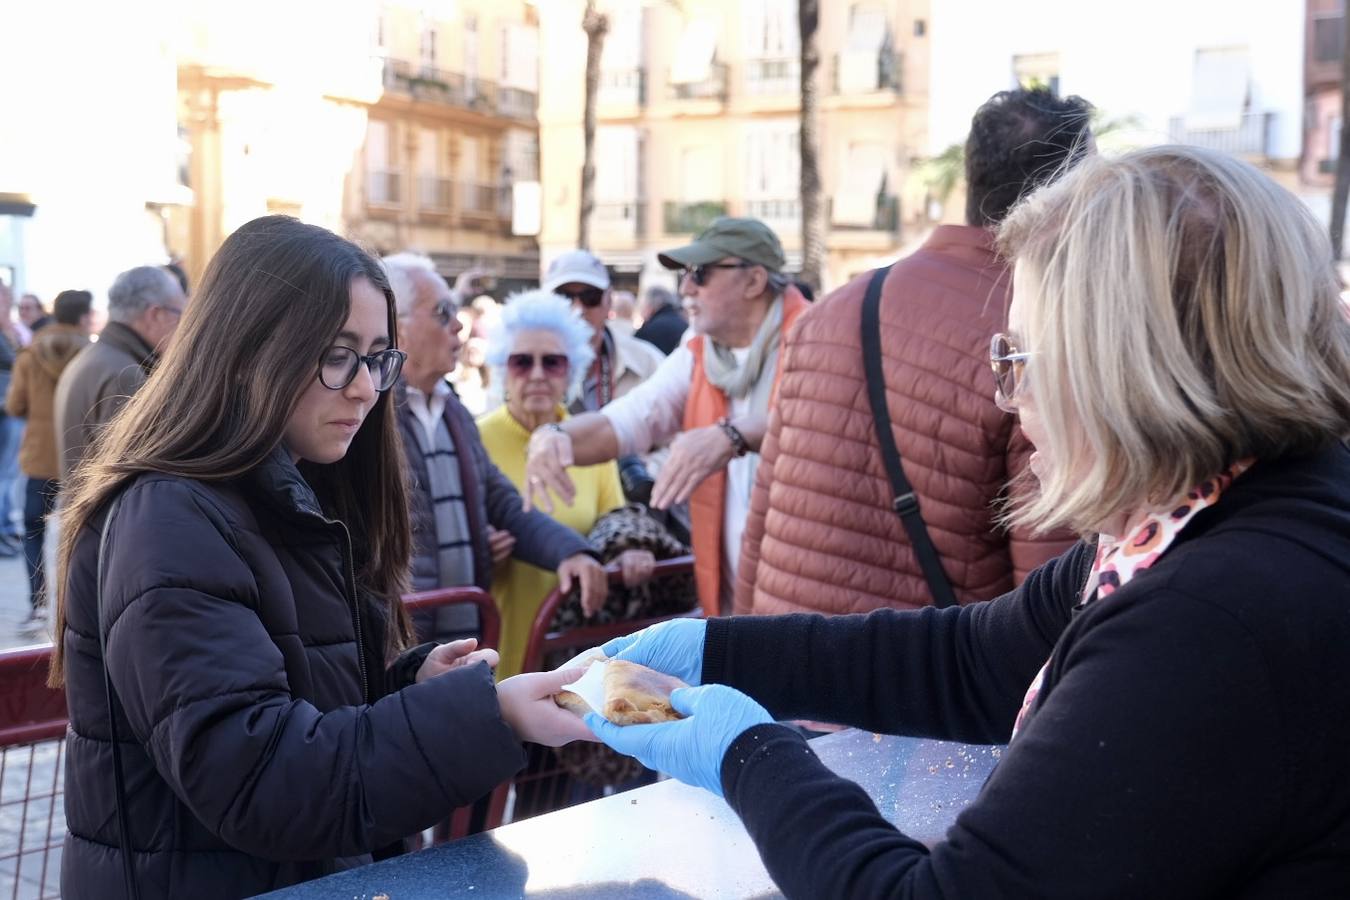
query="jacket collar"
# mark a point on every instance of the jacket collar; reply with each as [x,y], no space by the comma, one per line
[277,482]
[126,339]
[968,243]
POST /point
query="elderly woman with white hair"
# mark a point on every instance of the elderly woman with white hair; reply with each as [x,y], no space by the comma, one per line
[1174,687]
[540,349]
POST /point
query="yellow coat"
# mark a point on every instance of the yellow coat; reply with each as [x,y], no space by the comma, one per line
[518,587]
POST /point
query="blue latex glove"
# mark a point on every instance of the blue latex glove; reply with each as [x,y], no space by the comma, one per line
[674,647]
[690,749]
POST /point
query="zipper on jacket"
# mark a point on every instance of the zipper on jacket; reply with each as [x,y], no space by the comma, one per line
[349,573]
[349,577]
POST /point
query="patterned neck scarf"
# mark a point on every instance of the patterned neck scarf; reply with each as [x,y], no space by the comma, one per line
[1119,559]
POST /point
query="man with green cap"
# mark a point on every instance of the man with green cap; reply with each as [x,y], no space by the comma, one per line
[710,399]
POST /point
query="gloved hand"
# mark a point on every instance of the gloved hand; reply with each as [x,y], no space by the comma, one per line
[690,749]
[674,647]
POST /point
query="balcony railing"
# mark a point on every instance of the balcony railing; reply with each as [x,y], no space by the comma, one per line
[456,89]
[484,201]
[775,210]
[886,217]
[626,218]
[623,87]
[1250,137]
[713,87]
[852,74]
[434,194]
[686,218]
[778,75]
[384,188]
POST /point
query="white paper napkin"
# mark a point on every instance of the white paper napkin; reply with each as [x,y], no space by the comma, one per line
[591,686]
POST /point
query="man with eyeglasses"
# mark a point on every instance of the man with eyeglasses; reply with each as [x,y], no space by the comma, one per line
[710,398]
[622,362]
[145,305]
[466,515]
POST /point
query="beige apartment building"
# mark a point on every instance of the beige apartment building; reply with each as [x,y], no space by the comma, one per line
[698,117]
[399,124]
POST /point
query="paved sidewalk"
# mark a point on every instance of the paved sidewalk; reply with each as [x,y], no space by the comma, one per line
[15,628]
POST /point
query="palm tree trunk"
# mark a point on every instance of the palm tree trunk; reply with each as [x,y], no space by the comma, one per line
[595,24]
[813,209]
[1338,197]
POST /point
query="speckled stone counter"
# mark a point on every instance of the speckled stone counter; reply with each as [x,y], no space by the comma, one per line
[666,840]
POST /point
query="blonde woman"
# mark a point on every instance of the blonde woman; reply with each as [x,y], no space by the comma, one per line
[1175,686]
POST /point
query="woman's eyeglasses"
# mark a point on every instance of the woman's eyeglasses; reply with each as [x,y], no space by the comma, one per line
[553,364]
[589,297]
[700,273]
[1009,365]
[339,365]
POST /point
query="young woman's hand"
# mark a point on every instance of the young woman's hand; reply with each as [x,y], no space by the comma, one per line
[528,707]
[454,655]
[636,566]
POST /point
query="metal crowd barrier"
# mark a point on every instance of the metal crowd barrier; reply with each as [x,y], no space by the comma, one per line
[32,776]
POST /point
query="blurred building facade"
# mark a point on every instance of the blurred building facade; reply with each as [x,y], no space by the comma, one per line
[398,124]
[698,117]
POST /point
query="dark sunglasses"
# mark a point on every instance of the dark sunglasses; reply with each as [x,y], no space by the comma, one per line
[700,273]
[340,364]
[590,297]
[553,364]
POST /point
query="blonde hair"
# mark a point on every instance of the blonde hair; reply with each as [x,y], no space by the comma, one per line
[1182,312]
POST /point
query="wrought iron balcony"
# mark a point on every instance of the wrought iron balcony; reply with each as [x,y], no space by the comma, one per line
[687,218]
[1251,136]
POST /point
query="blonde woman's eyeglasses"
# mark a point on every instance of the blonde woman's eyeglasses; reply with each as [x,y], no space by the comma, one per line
[1009,365]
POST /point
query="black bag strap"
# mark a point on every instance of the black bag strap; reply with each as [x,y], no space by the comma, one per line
[905,503]
[123,827]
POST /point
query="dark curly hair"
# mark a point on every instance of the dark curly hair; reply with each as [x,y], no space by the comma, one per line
[1019,140]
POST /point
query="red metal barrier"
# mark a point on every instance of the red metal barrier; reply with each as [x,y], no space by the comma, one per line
[32,775]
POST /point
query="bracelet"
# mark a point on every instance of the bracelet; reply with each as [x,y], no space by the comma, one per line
[737,439]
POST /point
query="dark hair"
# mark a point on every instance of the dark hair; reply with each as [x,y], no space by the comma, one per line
[1019,140]
[273,298]
[807,292]
[179,274]
[70,307]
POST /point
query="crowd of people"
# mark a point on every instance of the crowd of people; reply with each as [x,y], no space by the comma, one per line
[1126,554]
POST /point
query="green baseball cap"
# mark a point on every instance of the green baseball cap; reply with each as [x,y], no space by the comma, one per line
[747,239]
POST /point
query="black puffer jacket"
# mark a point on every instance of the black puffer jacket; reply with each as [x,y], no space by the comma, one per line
[255,757]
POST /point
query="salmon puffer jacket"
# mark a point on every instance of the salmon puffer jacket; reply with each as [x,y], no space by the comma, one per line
[821,535]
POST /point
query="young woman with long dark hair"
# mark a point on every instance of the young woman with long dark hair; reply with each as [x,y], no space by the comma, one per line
[271,724]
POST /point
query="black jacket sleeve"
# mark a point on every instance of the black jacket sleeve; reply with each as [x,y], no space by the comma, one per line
[1137,776]
[205,691]
[958,673]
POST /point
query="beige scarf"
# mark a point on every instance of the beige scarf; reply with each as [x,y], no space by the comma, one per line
[755,378]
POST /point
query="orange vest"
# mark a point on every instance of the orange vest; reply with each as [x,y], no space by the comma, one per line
[707,505]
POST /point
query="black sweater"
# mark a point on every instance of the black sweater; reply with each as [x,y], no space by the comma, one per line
[1191,738]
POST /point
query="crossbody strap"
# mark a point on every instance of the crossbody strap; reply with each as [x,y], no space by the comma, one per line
[123,826]
[904,502]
